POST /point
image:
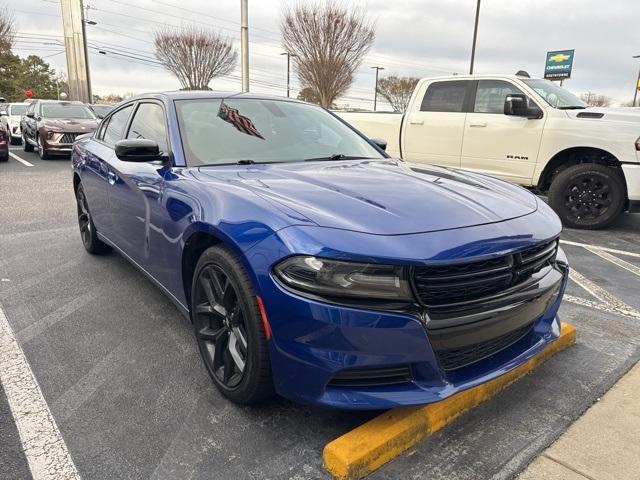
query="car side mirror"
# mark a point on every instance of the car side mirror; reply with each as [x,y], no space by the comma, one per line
[31,115]
[138,150]
[380,143]
[517,104]
[99,117]
[3,113]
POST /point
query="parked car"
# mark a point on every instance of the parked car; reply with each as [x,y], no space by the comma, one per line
[4,144]
[100,110]
[526,130]
[51,126]
[10,115]
[311,263]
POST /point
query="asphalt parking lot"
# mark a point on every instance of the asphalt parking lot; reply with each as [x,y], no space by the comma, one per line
[122,377]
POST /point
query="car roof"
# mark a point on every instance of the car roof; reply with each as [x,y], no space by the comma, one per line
[481,77]
[70,102]
[195,94]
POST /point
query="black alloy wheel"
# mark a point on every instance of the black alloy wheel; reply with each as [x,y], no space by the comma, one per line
[42,153]
[588,196]
[26,146]
[88,232]
[229,329]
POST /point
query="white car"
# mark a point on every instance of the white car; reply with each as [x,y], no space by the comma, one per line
[10,115]
[526,130]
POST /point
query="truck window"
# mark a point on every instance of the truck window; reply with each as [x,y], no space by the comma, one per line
[490,95]
[445,96]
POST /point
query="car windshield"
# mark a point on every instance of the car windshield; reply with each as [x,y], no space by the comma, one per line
[555,95]
[66,110]
[17,109]
[218,132]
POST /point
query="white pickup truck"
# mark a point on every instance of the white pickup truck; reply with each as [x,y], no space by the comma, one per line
[526,130]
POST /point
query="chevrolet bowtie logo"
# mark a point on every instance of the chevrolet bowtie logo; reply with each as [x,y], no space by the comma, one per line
[559,57]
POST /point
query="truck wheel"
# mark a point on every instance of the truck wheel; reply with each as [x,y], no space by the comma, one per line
[26,146]
[587,196]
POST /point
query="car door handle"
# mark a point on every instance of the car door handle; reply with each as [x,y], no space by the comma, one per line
[478,124]
[112,177]
[416,122]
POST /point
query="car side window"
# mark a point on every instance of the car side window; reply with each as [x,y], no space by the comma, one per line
[445,96]
[148,122]
[490,95]
[114,131]
[102,128]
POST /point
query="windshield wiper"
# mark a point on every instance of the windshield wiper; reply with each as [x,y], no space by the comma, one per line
[247,161]
[337,156]
[572,107]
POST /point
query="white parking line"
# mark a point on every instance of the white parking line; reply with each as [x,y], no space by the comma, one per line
[42,442]
[604,249]
[608,302]
[21,160]
[615,260]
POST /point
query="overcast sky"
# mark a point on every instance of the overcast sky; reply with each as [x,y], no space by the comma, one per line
[413,37]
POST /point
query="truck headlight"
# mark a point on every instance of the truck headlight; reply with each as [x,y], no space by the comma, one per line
[334,278]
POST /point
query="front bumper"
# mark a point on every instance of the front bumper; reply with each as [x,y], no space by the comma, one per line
[313,341]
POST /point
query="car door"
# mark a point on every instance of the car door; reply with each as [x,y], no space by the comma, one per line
[433,129]
[505,146]
[95,174]
[29,122]
[135,190]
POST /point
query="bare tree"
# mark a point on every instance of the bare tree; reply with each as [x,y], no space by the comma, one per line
[194,55]
[328,43]
[596,100]
[397,91]
[6,29]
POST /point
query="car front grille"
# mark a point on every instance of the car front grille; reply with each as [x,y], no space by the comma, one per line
[371,377]
[68,137]
[461,357]
[442,288]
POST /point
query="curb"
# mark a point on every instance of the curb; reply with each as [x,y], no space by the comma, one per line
[366,448]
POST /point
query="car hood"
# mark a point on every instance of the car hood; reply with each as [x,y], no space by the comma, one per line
[74,125]
[606,114]
[381,197]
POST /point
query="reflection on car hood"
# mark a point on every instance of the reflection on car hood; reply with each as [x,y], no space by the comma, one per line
[382,197]
[75,125]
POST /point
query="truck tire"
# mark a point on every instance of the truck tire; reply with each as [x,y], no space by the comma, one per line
[587,196]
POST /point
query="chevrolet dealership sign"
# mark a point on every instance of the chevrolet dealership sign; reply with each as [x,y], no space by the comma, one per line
[558,65]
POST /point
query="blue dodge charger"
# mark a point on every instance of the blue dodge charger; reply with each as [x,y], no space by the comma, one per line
[310,263]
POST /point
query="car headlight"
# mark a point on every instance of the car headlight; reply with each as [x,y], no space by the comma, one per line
[334,278]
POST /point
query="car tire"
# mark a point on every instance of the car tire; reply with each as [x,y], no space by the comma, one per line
[42,153]
[587,196]
[26,146]
[88,232]
[4,158]
[228,327]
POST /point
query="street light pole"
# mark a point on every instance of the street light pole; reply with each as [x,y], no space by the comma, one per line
[635,91]
[86,50]
[475,36]
[244,43]
[289,55]
[375,95]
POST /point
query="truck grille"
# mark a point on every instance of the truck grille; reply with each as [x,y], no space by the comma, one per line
[443,288]
[461,357]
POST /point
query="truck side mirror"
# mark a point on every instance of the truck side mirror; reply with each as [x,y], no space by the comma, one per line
[3,113]
[31,115]
[517,104]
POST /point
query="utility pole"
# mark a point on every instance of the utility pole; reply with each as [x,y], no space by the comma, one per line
[375,95]
[76,50]
[244,43]
[475,36]
[635,92]
[289,55]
